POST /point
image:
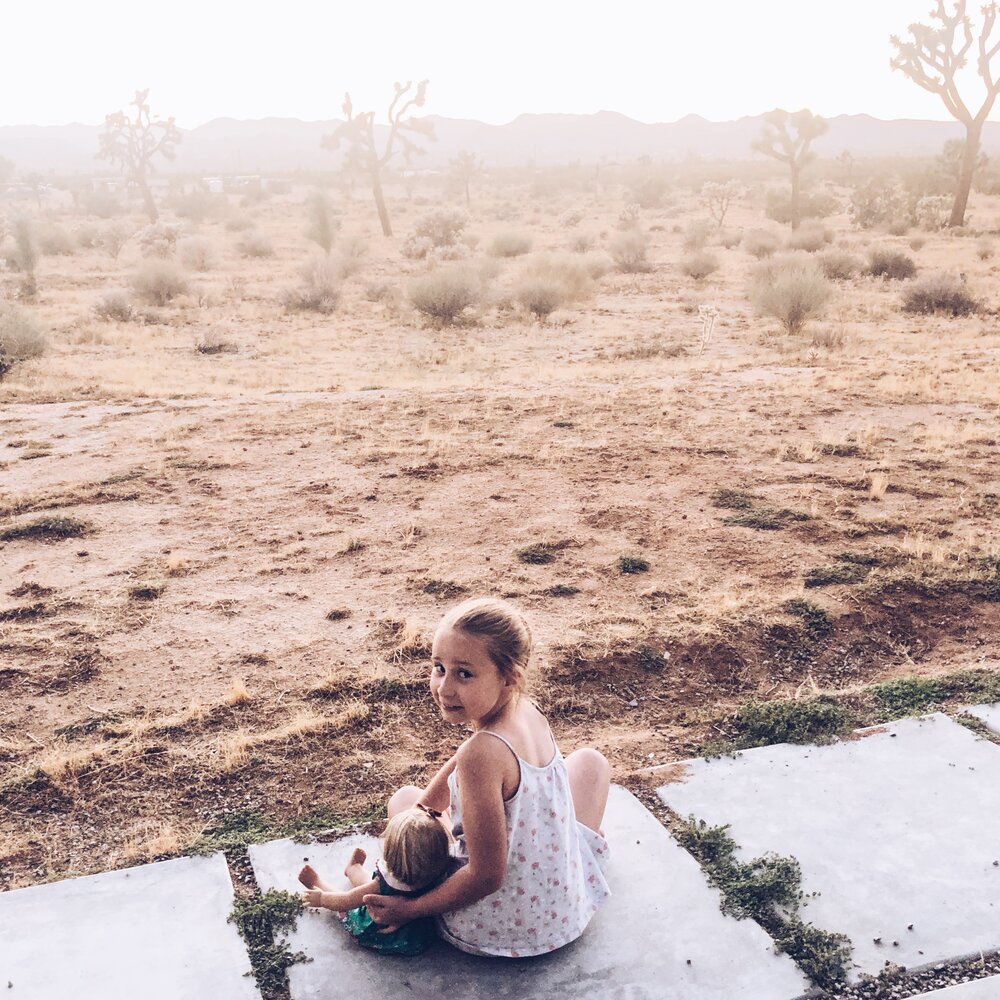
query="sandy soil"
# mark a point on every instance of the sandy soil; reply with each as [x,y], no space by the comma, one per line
[270,534]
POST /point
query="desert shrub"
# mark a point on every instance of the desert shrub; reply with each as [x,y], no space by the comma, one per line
[933,211]
[114,237]
[699,265]
[917,243]
[790,288]
[320,288]
[597,264]
[646,185]
[810,237]
[778,206]
[939,293]
[322,224]
[539,294]
[877,202]
[255,243]
[696,235]
[760,243]
[385,292]
[238,223]
[581,242]
[21,339]
[984,248]
[898,226]
[159,239]
[416,247]
[25,256]
[444,294]
[457,251]
[351,251]
[156,282]
[54,241]
[839,265]
[570,218]
[728,239]
[892,264]
[441,227]
[214,342]
[629,250]
[196,253]
[196,204]
[115,304]
[87,236]
[510,244]
[628,218]
[103,204]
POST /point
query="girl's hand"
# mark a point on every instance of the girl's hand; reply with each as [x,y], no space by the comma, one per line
[390,912]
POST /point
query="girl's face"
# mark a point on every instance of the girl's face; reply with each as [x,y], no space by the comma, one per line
[465,683]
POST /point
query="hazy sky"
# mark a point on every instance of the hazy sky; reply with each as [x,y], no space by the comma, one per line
[654,60]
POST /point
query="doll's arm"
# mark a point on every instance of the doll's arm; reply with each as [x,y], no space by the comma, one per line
[341,901]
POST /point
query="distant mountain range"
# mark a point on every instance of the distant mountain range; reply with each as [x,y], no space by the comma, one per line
[280,145]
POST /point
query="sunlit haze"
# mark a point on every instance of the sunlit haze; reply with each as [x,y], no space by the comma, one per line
[71,62]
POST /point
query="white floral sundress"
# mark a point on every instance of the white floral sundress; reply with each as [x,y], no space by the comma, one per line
[554,881]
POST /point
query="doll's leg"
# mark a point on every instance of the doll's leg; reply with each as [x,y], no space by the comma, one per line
[355,871]
[589,784]
[309,877]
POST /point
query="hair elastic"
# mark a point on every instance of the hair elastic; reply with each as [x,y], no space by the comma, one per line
[433,813]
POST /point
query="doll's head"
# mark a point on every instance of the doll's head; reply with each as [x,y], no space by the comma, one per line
[415,847]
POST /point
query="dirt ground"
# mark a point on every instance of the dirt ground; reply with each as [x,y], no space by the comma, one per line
[269,533]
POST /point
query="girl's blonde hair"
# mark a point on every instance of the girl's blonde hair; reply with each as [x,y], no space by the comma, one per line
[503,631]
[415,847]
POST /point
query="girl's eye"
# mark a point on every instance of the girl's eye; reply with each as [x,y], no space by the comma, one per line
[437,668]
[464,674]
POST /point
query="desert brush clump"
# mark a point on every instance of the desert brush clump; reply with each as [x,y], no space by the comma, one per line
[21,338]
[158,239]
[322,224]
[629,249]
[444,294]
[510,244]
[893,265]
[196,253]
[810,237]
[760,243]
[319,290]
[699,264]
[939,292]
[157,282]
[255,243]
[839,265]
[115,304]
[791,289]
[547,281]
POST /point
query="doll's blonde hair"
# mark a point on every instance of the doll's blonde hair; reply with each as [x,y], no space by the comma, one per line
[415,847]
[504,633]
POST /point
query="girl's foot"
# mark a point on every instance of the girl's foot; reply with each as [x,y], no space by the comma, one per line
[357,858]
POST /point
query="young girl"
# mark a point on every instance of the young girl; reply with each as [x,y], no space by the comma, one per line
[529,856]
[414,857]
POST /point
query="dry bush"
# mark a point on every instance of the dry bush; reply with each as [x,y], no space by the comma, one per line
[696,235]
[443,295]
[984,247]
[21,339]
[510,244]
[54,241]
[115,304]
[238,223]
[215,342]
[760,243]
[103,204]
[728,238]
[539,294]
[892,264]
[939,293]
[839,265]
[156,282]
[159,239]
[699,265]
[322,222]
[629,250]
[351,251]
[581,243]
[810,237]
[320,288]
[442,227]
[917,243]
[87,236]
[385,292]
[114,238]
[196,253]
[255,243]
[791,288]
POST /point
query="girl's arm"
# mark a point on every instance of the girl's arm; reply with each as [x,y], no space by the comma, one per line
[480,764]
[341,901]
[436,794]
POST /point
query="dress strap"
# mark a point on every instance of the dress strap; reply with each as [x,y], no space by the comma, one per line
[502,739]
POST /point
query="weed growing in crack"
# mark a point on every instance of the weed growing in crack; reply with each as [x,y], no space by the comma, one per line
[628,564]
[767,889]
[259,919]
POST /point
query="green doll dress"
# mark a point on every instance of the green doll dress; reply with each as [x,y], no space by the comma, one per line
[409,939]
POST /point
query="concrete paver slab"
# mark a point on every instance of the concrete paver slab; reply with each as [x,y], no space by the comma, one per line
[898,827]
[989,714]
[158,932]
[980,989]
[662,915]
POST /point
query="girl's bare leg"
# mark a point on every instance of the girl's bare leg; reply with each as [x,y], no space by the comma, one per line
[355,870]
[589,784]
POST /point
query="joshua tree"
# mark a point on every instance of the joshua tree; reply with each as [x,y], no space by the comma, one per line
[464,167]
[779,142]
[6,170]
[932,60]
[363,153]
[133,142]
[718,197]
